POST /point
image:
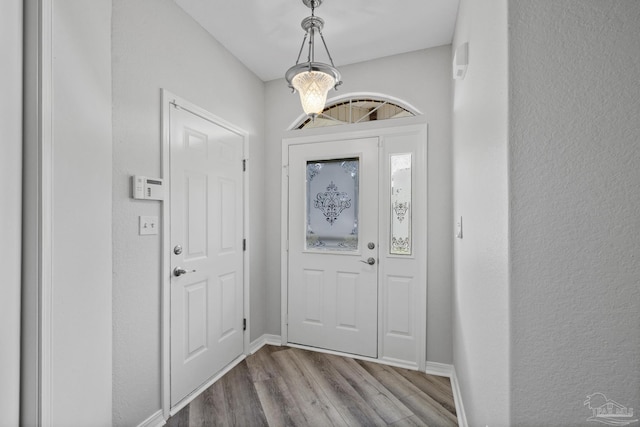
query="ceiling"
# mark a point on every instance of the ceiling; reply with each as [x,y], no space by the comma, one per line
[266,34]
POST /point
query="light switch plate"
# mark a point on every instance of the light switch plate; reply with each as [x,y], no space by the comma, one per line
[147,225]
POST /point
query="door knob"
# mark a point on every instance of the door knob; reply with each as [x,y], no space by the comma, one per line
[179,271]
[370,261]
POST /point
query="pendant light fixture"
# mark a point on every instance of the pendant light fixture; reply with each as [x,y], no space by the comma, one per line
[311,79]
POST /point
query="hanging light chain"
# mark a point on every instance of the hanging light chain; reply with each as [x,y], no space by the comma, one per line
[312,51]
[311,56]
[302,47]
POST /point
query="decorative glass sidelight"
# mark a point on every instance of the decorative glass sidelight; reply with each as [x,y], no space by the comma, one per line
[332,205]
[400,204]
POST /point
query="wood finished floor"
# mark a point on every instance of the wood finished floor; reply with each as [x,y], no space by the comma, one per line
[284,386]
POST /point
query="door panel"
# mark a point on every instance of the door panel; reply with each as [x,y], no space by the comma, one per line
[333,213]
[346,300]
[206,210]
[399,306]
[195,313]
[196,205]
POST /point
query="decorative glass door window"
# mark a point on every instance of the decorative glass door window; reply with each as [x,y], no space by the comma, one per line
[332,205]
[400,204]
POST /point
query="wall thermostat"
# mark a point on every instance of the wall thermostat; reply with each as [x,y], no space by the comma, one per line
[147,188]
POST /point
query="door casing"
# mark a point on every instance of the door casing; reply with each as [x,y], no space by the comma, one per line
[381,130]
[167,99]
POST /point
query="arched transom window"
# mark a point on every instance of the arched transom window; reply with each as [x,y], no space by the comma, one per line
[357,110]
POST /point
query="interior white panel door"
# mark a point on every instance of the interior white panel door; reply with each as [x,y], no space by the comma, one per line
[333,245]
[207,256]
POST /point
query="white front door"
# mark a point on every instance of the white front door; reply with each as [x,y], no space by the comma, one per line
[351,196]
[333,245]
[206,296]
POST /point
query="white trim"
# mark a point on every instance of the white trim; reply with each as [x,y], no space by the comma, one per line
[439,369]
[167,98]
[284,244]
[165,327]
[155,420]
[247,253]
[457,398]
[422,176]
[359,95]
[46,210]
[191,396]
[266,339]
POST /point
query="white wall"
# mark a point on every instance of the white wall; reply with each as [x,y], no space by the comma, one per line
[10,207]
[481,292]
[423,79]
[71,223]
[575,203]
[81,212]
[156,45]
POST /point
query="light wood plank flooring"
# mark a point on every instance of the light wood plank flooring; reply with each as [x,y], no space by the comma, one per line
[284,386]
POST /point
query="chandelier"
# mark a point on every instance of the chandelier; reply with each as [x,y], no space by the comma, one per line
[311,79]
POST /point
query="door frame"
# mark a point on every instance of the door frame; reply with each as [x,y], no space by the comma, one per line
[354,131]
[169,99]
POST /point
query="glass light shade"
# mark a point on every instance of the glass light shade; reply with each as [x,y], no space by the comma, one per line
[313,87]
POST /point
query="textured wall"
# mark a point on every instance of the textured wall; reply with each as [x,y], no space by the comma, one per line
[156,45]
[481,292]
[575,203]
[423,79]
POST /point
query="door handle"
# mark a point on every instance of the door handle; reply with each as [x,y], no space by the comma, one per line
[179,271]
[370,261]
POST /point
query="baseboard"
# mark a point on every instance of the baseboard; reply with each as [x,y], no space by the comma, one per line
[439,369]
[266,339]
[445,370]
[457,398]
[155,420]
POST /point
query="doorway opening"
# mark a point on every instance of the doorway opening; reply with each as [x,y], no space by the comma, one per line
[354,240]
[205,265]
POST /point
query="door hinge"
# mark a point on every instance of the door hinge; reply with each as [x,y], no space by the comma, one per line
[244,165]
[244,324]
[244,244]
